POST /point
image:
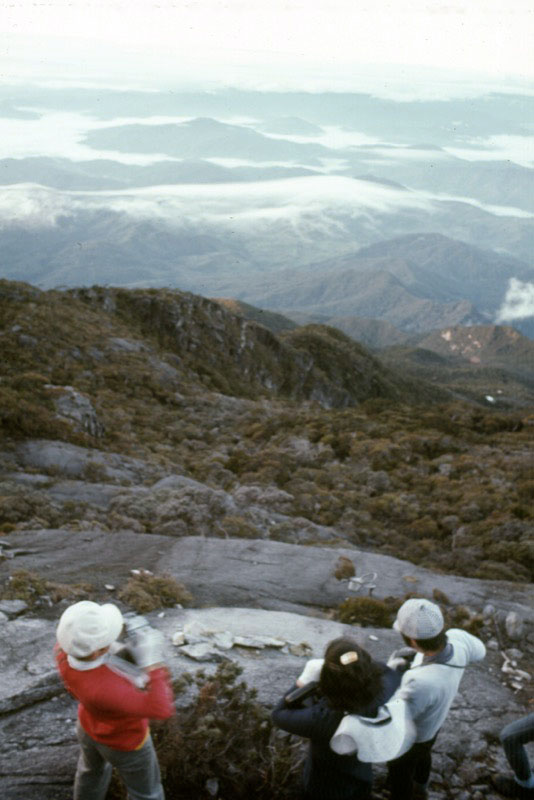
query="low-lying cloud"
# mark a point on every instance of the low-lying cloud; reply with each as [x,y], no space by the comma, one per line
[518,302]
[502,147]
[224,203]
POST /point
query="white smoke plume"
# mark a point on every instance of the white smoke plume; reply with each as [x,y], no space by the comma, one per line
[518,302]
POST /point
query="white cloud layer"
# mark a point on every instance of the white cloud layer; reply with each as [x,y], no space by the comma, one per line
[290,200]
[287,199]
[519,149]
[518,302]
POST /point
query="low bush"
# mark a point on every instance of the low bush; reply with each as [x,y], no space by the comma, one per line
[145,592]
[366,611]
[344,568]
[238,527]
[33,589]
[24,585]
[223,745]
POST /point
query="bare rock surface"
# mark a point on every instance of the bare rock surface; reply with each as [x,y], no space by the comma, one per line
[72,461]
[253,573]
[79,556]
[275,574]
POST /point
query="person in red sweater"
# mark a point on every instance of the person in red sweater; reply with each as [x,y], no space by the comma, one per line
[116,700]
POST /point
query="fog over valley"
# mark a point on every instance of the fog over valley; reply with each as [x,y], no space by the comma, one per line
[242,192]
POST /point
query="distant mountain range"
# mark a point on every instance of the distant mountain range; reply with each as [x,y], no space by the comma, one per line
[380,218]
[202,138]
[417,282]
[102,174]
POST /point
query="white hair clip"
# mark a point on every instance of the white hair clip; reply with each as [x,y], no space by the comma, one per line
[348,658]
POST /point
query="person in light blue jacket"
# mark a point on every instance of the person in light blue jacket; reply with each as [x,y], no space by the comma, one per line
[429,686]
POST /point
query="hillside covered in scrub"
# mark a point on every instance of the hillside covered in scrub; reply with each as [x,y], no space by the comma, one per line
[256,490]
[300,437]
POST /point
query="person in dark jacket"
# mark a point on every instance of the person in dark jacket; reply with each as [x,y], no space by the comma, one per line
[349,681]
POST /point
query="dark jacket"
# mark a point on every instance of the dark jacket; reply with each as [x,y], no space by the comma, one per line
[327,775]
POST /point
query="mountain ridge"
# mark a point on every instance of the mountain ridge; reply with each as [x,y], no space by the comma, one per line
[415,282]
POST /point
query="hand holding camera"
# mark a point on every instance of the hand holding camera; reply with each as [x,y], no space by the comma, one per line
[146,644]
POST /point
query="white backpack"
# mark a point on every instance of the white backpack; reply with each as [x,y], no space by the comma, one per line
[376,739]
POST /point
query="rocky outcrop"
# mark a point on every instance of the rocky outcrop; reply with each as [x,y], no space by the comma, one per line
[242,357]
[114,496]
[77,409]
[62,458]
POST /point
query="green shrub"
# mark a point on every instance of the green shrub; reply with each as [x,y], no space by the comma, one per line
[238,527]
[344,568]
[224,741]
[20,418]
[462,617]
[146,592]
[365,611]
[24,585]
[31,587]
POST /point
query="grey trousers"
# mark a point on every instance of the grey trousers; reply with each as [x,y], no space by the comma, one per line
[139,769]
[513,738]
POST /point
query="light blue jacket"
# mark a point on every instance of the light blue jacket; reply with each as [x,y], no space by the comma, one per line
[432,684]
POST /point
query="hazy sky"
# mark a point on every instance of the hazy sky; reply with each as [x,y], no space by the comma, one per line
[271,43]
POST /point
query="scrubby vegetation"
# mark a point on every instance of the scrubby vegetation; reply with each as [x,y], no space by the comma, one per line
[146,592]
[35,590]
[344,568]
[223,744]
[367,611]
[309,427]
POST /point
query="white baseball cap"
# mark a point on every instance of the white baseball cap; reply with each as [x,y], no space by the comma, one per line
[418,618]
[86,627]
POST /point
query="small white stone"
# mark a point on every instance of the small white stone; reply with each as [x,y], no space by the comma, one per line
[202,651]
[223,640]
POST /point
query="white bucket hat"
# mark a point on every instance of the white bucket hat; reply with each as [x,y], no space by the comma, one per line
[418,618]
[376,739]
[86,627]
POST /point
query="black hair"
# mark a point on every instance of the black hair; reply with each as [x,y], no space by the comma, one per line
[349,687]
[432,645]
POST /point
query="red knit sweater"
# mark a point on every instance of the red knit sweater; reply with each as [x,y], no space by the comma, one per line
[112,710]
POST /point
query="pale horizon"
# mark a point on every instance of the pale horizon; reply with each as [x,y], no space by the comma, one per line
[406,49]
